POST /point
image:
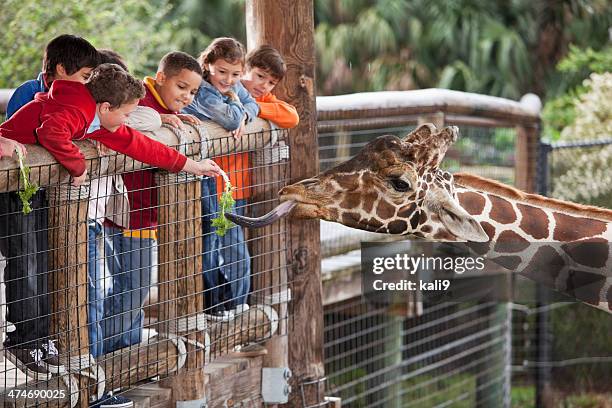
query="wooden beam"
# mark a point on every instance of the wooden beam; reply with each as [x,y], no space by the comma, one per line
[46,171]
[128,366]
[180,279]
[288,25]
[68,279]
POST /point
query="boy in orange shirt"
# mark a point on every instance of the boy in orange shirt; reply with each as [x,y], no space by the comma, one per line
[265,68]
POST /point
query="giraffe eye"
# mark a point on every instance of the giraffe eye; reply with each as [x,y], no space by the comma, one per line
[400,185]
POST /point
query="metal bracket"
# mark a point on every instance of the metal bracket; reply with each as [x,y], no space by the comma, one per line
[201,403]
[275,388]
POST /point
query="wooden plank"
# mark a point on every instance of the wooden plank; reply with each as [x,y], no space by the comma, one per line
[181,289]
[68,280]
[234,380]
[45,389]
[46,171]
[128,366]
[289,27]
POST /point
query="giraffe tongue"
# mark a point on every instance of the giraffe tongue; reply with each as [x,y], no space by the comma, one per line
[277,213]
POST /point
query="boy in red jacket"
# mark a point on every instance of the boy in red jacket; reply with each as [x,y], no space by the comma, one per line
[175,84]
[56,118]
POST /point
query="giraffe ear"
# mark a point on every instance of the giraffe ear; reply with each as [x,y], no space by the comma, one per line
[461,224]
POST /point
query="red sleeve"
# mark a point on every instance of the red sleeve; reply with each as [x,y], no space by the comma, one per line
[277,111]
[140,147]
[55,134]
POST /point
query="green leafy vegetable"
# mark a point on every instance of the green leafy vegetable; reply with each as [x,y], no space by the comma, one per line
[227,202]
[29,189]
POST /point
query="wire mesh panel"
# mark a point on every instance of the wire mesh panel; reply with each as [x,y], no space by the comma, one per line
[128,279]
[549,336]
[451,355]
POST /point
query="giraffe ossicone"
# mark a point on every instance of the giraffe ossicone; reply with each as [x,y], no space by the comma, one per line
[395,186]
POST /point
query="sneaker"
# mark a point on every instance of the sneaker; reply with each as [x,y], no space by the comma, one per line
[241,308]
[29,361]
[221,316]
[51,358]
[114,401]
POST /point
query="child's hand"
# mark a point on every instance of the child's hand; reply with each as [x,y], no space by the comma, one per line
[172,120]
[189,119]
[232,95]
[77,181]
[204,168]
[240,131]
[8,147]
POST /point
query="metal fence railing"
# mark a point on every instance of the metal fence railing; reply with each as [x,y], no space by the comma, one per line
[124,281]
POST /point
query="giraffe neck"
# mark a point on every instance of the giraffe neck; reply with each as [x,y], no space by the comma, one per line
[557,247]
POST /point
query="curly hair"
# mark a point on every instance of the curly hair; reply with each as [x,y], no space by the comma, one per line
[111,83]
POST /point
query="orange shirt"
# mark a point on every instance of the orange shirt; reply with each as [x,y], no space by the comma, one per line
[237,165]
[281,113]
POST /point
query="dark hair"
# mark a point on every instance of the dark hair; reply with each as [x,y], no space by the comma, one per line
[173,62]
[225,48]
[269,59]
[73,52]
[108,56]
[111,83]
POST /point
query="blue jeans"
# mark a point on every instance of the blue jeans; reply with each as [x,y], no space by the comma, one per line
[96,290]
[226,260]
[130,262]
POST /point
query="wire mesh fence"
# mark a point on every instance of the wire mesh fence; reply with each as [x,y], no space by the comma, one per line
[550,348]
[125,280]
[452,354]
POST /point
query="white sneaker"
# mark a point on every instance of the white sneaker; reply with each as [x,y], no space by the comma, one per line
[241,308]
[224,316]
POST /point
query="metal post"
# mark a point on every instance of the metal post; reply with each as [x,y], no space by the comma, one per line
[543,337]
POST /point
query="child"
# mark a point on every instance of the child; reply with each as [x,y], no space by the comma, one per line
[175,84]
[63,114]
[66,57]
[23,237]
[223,99]
[265,68]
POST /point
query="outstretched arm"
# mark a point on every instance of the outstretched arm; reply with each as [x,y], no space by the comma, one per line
[8,147]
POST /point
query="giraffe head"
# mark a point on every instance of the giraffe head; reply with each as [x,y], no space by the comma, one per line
[392,186]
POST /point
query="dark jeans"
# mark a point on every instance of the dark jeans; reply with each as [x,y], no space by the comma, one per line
[226,260]
[24,243]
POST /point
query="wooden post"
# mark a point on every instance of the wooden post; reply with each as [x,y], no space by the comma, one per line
[288,25]
[180,279]
[527,139]
[68,277]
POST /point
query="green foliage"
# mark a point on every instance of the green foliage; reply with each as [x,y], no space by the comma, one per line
[226,203]
[581,377]
[498,48]
[29,189]
[560,111]
[137,30]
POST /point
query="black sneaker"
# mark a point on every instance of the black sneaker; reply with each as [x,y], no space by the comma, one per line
[108,401]
[51,360]
[29,361]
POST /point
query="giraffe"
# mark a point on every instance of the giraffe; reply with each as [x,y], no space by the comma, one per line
[395,186]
